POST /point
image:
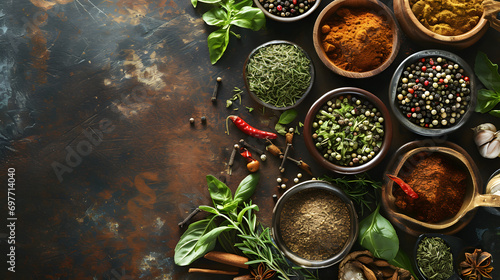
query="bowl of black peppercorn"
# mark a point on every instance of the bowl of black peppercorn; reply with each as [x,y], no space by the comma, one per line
[287,10]
[432,92]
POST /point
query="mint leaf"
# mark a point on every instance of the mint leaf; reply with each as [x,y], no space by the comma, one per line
[288,116]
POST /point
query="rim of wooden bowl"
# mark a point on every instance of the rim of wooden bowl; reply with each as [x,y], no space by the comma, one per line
[372,5]
[443,38]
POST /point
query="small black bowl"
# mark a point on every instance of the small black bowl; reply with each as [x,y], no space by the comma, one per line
[457,249]
[403,119]
[256,98]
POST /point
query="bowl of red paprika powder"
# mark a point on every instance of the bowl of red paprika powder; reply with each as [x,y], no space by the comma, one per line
[356,38]
[447,183]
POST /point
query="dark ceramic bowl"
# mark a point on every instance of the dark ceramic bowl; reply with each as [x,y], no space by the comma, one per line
[308,130]
[286,19]
[403,119]
[314,185]
[256,98]
[408,156]
[457,249]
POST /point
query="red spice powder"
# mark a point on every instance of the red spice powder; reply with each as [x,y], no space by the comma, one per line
[440,184]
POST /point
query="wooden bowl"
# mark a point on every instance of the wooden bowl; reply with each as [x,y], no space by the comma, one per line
[420,34]
[374,5]
[407,156]
[322,101]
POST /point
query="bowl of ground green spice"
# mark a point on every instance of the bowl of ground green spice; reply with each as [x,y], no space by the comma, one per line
[314,224]
[278,75]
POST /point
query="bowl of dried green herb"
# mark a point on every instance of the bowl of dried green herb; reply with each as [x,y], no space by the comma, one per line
[314,224]
[278,74]
[436,256]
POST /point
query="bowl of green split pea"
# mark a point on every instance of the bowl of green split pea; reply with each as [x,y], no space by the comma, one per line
[278,75]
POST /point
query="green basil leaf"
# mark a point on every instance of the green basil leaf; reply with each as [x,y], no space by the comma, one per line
[486,100]
[403,261]
[249,17]
[244,210]
[281,129]
[185,252]
[247,187]
[227,239]
[241,4]
[219,192]
[216,16]
[288,116]
[487,72]
[208,209]
[228,207]
[194,3]
[495,113]
[209,239]
[377,235]
[217,44]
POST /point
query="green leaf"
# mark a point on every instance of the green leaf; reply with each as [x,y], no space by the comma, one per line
[217,44]
[208,209]
[281,129]
[194,3]
[247,187]
[249,17]
[185,252]
[288,116]
[487,72]
[486,100]
[216,16]
[209,239]
[230,206]
[219,192]
[242,4]
[244,210]
[377,235]
[403,261]
[495,113]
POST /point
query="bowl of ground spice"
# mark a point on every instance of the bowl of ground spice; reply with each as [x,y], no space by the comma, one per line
[433,92]
[278,74]
[314,224]
[446,184]
[356,38]
[449,23]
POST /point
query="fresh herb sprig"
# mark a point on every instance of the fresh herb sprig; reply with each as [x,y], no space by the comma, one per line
[361,189]
[434,258]
[226,14]
[232,218]
[487,72]
[285,118]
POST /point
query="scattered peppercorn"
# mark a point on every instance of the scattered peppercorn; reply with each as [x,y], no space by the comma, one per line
[191,120]
[203,119]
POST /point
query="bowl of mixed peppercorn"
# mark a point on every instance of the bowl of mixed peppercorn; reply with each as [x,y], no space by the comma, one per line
[348,130]
[287,10]
[432,92]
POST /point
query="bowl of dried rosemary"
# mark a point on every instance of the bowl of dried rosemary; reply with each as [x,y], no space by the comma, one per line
[278,74]
[314,224]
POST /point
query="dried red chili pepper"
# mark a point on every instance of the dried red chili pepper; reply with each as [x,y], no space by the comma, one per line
[247,129]
[404,186]
[253,165]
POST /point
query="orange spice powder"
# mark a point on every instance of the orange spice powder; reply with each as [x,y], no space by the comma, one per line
[357,39]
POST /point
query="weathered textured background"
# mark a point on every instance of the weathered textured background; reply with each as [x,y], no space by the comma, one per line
[95,98]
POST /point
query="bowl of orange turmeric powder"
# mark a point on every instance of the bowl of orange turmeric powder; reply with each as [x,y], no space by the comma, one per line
[356,38]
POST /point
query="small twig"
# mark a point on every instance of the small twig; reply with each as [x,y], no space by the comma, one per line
[189,217]
[231,158]
[304,166]
[282,166]
[216,89]
[251,147]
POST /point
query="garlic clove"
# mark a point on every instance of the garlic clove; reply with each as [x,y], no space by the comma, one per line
[484,136]
[485,126]
[490,150]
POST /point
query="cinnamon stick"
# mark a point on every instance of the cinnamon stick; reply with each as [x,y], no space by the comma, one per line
[212,271]
[243,277]
[227,258]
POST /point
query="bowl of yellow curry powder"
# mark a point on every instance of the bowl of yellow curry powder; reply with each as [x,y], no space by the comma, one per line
[356,38]
[450,23]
